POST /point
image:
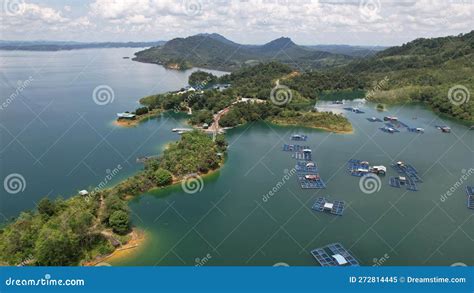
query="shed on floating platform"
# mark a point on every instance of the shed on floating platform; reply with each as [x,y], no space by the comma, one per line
[340,259]
[307,150]
[380,170]
[328,206]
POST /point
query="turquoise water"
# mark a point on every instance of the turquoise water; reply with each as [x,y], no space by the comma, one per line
[229,222]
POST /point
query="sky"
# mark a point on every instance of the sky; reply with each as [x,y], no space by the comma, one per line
[307,22]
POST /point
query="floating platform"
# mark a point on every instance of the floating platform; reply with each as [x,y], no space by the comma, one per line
[311,181]
[334,255]
[390,130]
[299,137]
[323,205]
[470,190]
[306,156]
[358,168]
[395,182]
[374,119]
[354,110]
[294,147]
[306,167]
[416,129]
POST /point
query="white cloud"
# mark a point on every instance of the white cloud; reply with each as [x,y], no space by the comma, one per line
[256,21]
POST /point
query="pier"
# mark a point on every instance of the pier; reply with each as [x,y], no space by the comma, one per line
[294,147]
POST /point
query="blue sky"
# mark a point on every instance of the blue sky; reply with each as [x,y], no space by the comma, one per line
[356,22]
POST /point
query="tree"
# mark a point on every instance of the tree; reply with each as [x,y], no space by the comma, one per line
[163,177]
[56,248]
[46,207]
[141,111]
[120,222]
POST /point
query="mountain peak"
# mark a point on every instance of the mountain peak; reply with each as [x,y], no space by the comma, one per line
[279,44]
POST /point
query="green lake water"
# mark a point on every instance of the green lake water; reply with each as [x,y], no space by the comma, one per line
[60,141]
[229,222]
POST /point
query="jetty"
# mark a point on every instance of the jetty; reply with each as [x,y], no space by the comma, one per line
[332,207]
[334,255]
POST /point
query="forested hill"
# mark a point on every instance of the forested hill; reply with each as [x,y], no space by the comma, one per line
[216,52]
[423,70]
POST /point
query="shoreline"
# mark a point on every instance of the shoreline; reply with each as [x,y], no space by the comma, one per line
[138,238]
[142,118]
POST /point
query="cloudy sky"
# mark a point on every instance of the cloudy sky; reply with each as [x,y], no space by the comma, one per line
[358,22]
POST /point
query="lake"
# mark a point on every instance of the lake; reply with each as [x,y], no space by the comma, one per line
[61,141]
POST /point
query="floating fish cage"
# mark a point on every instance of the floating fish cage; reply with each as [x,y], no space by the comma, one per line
[311,181]
[354,110]
[389,129]
[299,137]
[470,197]
[323,205]
[416,129]
[306,167]
[410,178]
[303,155]
[358,168]
[334,255]
[294,147]
[374,119]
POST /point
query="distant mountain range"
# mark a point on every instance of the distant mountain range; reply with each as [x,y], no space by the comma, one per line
[59,45]
[217,52]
